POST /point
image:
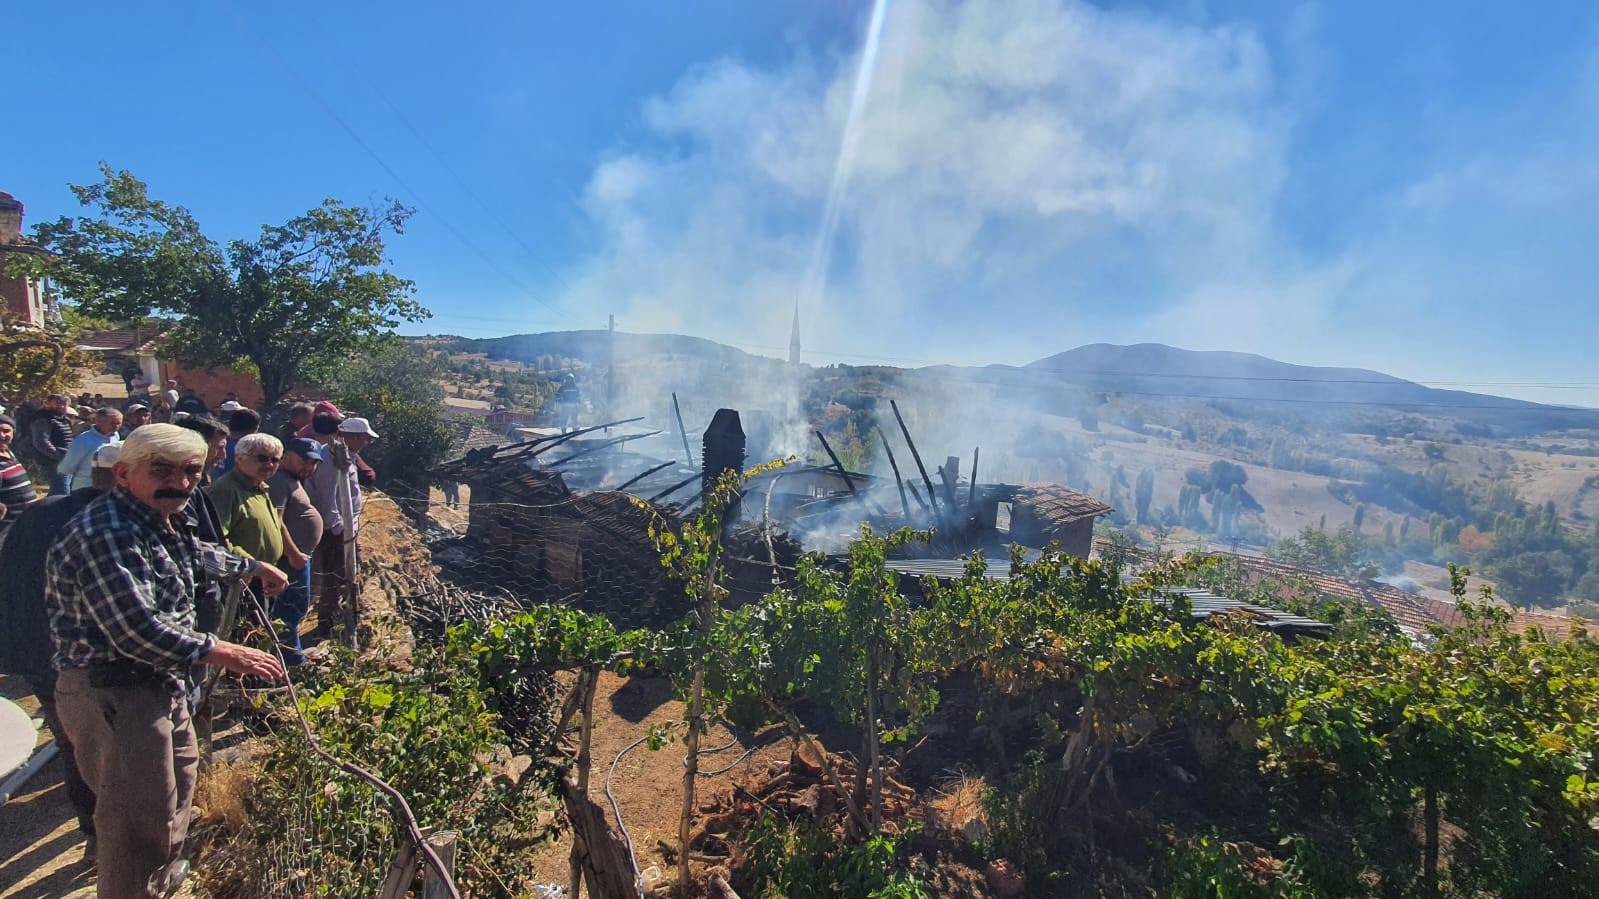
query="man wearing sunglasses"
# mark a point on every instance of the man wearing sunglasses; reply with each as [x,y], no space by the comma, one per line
[251,523]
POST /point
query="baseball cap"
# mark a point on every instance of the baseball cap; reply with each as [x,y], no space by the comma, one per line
[326,408]
[106,456]
[358,425]
[305,448]
[231,406]
[133,406]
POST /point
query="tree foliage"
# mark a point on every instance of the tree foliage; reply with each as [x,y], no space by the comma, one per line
[1338,552]
[397,387]
[298,299]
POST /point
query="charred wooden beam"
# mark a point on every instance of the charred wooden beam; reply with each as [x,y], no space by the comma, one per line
[688,454]
[971,491]
[849,483]
[599,446]
[675,487]
[898,481]
[644,474]
[915,455]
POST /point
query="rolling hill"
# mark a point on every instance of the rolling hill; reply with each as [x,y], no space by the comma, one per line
[1151,371]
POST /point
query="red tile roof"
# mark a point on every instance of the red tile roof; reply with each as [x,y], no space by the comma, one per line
[1057,504]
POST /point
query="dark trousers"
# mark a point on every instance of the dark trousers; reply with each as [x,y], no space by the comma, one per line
[137,748]
[79,793]
[292,604]
[330,581]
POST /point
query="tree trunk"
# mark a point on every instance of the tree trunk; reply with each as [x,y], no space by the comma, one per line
[691,767]
[871,742]
[691,760]
[1429,861]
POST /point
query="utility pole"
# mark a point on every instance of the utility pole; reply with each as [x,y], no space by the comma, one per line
[610,369]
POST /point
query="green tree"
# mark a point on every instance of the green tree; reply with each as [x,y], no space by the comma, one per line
[293,303]
[1144,494]
[1340,552]
[397,386]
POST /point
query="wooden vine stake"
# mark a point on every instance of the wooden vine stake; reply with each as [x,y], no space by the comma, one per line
[588,682]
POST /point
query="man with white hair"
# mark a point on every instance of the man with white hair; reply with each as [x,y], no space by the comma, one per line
[250,520]
[120,586]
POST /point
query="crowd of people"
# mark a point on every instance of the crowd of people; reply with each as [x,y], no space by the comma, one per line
[114,588]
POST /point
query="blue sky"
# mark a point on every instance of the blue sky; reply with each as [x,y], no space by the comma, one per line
[1407,187]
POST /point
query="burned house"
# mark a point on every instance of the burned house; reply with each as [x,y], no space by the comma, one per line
[566,516]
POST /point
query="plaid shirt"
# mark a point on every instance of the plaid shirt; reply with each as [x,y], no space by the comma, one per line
[120,585]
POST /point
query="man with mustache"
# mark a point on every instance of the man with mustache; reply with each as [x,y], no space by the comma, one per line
[120,586]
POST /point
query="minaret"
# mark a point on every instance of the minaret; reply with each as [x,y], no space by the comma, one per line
[793,340]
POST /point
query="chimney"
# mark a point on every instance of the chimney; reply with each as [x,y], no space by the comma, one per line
[10,219]
[724,447]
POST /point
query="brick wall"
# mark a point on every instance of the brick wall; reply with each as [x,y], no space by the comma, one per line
[214,385]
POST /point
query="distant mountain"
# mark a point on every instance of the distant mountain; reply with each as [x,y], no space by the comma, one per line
[592,347]
[1158,371]
[1152,371]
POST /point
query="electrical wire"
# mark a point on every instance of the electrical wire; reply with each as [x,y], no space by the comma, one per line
[616,811]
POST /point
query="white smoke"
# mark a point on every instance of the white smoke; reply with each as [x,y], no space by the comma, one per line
[1001,141]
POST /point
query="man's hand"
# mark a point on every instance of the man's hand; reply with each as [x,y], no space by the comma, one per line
[244,660]
[272,580]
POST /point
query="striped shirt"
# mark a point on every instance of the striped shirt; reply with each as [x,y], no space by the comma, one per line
[120,585]
[16,491]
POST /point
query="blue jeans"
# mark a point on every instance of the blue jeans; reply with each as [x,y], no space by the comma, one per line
[292,603]
[58,483]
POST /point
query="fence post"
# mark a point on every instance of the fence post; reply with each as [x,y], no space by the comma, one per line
[402,871]
[443,844]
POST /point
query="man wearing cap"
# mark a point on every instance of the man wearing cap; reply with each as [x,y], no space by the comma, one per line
[25,647]
[191,403]
[135,416]
[358,434]
[16,489]
[168,403]
[120,585]
[322,408]
[301,458]
[328,564]
[78,463]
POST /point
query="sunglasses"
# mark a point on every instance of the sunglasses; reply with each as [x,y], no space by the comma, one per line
[166,471]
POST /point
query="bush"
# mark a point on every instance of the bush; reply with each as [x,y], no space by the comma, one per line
[429,734]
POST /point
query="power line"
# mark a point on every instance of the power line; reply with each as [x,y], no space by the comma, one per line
[382,163]
[465,186]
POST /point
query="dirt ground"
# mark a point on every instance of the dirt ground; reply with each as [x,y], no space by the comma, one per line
[648,785]
[41,852]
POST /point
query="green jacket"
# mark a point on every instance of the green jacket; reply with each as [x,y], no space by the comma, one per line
[249,520]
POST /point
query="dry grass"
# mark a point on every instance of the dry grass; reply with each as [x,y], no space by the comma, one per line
[958,800]
[219,794]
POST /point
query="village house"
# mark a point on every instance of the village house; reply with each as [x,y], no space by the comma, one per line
[28,301]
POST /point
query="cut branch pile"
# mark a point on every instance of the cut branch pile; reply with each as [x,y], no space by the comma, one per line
[798,788]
